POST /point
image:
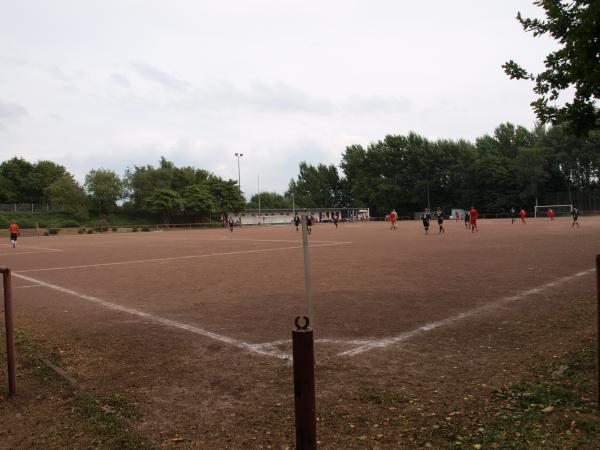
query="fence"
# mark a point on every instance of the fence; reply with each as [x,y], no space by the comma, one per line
[26,207]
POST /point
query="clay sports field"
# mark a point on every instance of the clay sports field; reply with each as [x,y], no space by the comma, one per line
[193,328]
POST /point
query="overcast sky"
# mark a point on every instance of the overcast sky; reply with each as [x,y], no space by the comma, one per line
[116,83]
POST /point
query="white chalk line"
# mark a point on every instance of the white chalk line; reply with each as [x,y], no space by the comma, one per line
[382,343]
[161,320]
[34,248]
[274,344]
[17,253]
[27,286]
[174,258]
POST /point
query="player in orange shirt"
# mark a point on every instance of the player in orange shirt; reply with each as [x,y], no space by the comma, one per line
[473,218]
[13,228]
[551,214]
[523,214]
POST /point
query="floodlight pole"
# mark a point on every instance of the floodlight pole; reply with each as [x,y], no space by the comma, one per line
[239,155]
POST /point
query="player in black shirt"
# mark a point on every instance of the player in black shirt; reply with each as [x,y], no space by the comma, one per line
[575,214]
[426,217]
[439,215]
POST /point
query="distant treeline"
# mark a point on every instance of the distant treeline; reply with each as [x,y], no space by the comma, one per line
[513,167]
[166,192]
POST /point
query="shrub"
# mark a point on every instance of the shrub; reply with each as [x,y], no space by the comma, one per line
[53,230]
[145,229]
[115,229]
[70,224]
[90,232]
[134,229]
[46,233]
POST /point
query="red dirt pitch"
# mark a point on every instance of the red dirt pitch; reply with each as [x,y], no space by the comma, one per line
[194,327]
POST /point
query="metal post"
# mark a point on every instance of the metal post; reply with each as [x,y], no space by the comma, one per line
[598,329]
[304,386]
[10,335]
[307,272]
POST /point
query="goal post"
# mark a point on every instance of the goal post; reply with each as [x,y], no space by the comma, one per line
[559,210]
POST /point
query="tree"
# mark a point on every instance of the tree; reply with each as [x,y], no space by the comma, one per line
[105,188]
[198,201]
[17,173]
[316,187]
[166,202]
[66,194]
[270,200]
[226,194]
[574,66]
[44,173]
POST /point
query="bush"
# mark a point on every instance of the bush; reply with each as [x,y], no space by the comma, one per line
[145,229]
[134,229]
[46,233]
[82,230]
[53,230]
[90,232]
[115,229]
[70,224]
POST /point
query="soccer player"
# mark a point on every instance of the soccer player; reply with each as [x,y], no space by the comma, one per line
[523,214]
[231,224]
[14,231]
[456,216]
[335,219]
[473,219]
[309,221]
[513,215]
[439,215]
[426,217]
[467,220]
[393,219]
[297,221]
[551,214]
[575,214]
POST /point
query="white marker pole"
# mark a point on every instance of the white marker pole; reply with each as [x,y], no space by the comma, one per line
[307,276]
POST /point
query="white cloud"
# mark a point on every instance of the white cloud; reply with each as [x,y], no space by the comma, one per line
[113,85]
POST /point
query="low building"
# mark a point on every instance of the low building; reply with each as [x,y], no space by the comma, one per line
[285,216]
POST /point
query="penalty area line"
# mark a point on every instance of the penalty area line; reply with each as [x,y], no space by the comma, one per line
[175,258]
[157,319]
[488,307]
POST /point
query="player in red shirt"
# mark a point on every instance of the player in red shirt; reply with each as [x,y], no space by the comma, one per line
[473,219]
[393,218]
[523,214]
[551,214]
[14,233]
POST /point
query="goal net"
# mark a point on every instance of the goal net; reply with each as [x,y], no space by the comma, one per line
[559,210]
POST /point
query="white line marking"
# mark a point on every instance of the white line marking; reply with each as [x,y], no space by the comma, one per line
[28,286]
[17,253]
[174,258]
[157,319]
[34,248]
[452,319]
[320,341]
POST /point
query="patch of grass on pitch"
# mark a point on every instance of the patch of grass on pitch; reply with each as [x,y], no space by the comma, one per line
[108,416]
[555,411]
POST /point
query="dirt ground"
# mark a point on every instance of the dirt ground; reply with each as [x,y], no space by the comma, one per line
[191,329]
